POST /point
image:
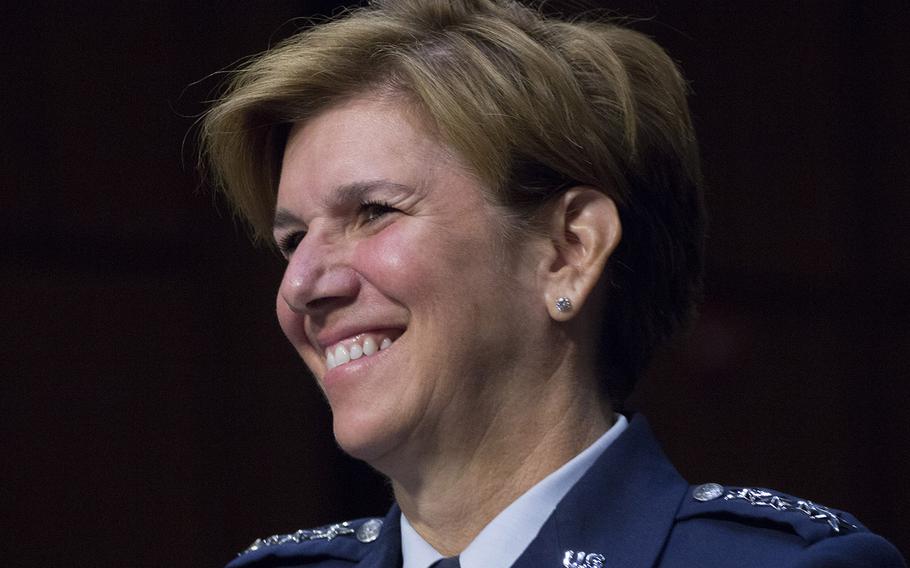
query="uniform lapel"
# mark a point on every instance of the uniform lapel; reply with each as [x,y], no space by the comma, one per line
[622,509]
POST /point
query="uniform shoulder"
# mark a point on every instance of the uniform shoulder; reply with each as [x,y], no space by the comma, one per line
[783,526]
[856,549]
[754,505]
[341,543]
[767,508]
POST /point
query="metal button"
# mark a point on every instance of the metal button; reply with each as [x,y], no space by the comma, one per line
[369,531]
[708,492]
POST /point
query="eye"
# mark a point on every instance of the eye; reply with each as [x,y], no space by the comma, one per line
[371,211]
[289,242]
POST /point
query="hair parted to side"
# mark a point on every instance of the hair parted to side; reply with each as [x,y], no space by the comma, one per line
[533,104]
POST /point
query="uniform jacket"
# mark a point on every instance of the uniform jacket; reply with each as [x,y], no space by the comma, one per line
[631,509]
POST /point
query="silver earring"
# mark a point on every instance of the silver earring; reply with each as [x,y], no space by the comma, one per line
[563,304]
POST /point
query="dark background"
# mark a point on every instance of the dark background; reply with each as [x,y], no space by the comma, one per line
[152,414]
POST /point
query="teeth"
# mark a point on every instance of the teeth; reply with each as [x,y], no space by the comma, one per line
[341,355]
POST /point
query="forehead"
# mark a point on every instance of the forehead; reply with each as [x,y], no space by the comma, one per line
[361,140]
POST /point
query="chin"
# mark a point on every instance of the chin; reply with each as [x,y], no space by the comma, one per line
[364,439]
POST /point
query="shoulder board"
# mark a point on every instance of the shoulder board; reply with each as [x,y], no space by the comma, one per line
[811,521]
[345,540]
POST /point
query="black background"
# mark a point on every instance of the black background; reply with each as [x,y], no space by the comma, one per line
[152,414]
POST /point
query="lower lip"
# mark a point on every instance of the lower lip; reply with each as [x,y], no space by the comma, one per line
[354,369]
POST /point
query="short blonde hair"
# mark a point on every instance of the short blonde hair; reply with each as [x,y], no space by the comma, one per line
[533,104]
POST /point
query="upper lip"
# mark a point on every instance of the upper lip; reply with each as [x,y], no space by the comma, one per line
[330,336]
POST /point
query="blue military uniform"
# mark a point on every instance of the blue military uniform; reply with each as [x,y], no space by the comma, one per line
[631,509]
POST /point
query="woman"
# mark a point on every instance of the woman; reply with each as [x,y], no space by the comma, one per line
[491,219]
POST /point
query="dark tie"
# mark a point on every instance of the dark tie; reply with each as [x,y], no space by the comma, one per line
[446,563]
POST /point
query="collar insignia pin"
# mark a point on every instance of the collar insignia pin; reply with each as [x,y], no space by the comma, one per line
[579,559]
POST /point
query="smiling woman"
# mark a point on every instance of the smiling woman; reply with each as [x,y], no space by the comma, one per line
[399,239]
[491,219]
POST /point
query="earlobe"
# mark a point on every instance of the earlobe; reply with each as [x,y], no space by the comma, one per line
[584,231]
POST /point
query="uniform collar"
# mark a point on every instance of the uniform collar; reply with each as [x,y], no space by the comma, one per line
[623,508]
[503,540]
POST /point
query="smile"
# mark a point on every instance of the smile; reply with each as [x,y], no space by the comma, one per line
[363,345]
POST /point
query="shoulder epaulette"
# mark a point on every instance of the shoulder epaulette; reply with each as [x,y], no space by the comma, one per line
[344,540]
[807,519]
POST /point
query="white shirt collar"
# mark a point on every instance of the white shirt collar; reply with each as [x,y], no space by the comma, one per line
[502,541]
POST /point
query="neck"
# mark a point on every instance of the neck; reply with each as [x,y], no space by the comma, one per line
[475,472]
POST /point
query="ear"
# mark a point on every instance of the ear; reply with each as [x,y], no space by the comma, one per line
[584,231]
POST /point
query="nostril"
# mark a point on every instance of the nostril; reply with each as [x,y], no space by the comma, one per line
[328,303]
[319,287]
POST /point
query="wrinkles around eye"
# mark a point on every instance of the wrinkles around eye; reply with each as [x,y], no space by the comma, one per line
[369,212]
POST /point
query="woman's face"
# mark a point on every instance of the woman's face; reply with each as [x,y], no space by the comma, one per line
[396,258]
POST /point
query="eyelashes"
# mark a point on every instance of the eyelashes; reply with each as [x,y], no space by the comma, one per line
[368,212]
[288,243]
[371,211]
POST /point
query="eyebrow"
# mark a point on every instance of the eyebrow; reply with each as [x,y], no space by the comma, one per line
[353,192]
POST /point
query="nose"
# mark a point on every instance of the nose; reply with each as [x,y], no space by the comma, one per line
[317,277]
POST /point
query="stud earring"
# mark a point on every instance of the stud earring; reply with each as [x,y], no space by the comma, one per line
[563,304]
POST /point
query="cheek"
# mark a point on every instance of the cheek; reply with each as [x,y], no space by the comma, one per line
[387,252]
[411,261]
[391,261]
